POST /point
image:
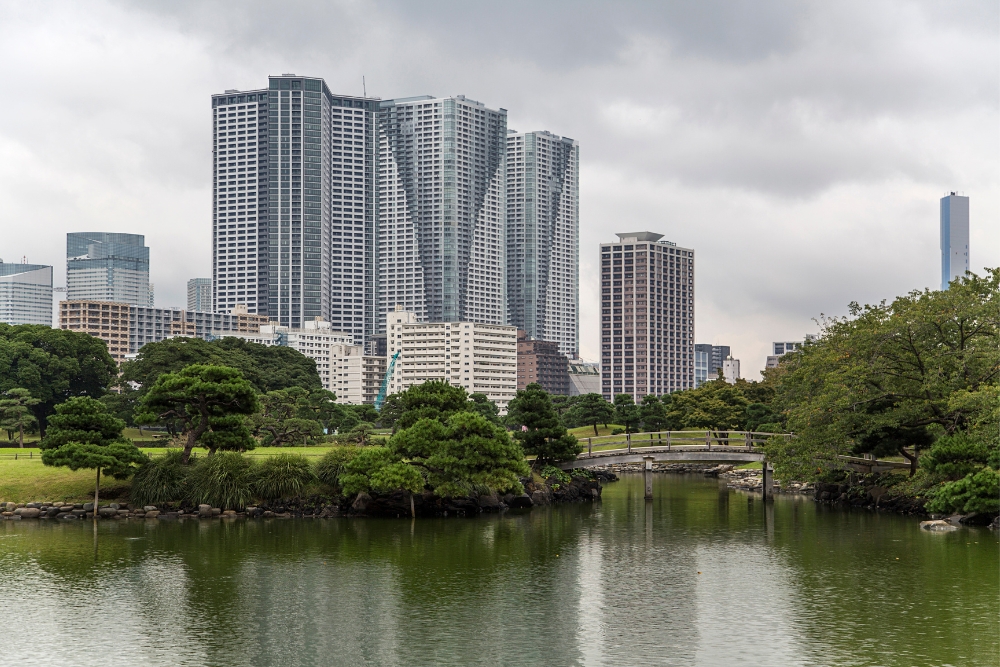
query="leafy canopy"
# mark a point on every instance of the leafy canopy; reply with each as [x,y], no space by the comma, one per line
[82,434]
[591,410]
[538,428]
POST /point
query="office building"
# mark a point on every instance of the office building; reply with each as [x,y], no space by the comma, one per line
[127,328]
[584,377]
[708,362]
[110,267]
[543,237]
[442,212]
[954,238]
[481,358]
[779,350]
[293,204]
[25,293]
[200,295]
[540,362]
[647,316]
[731,370]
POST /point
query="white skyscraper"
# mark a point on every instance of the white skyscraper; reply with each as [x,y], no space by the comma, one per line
[954,238]
[200,295]
[543,232]
[294,211]
[107,266]
[25,293]
[441,219]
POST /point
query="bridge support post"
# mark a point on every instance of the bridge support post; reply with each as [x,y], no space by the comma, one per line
[768,479]
[590,449]
[647,474]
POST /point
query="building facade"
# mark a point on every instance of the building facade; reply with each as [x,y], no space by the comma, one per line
[731,370]
[709,360]
[543,237]
[126,328]
[779,350]
[647,316]
[25,293]
[584,377]
[541,362]
[442,212]
[294,204]
[111,267]
[373,370]
[954,238]
[481,358]
[199,295]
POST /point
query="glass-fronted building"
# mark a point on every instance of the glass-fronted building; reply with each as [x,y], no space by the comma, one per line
[543,237]
[103,266]
[199,295]
[25,293]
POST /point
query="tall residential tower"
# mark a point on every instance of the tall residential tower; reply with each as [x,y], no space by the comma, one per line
[647,316]
[954,238]
[543,237]
[442,214]
[102,266]
[25,293]
[294,211]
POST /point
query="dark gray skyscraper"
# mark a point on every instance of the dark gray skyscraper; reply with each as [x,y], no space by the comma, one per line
[543,237]
[441,210]
[294,210]
[103,266]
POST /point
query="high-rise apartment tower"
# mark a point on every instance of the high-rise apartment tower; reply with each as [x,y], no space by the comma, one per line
[294,204]
[102,266]
[200,295]
[954,238]
[543,237]
[442,212]
[647,316]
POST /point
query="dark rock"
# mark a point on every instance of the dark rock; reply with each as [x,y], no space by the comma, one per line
[490,502]
[107,512]
[521,501]
[977,519]
[53,511]
[29,512]
[89,507]
[540,497]
[115,506]
[360,503]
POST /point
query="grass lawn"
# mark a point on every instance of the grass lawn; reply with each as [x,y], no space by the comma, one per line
[588,431]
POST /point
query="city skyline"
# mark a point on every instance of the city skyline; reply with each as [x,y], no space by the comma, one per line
[729,156]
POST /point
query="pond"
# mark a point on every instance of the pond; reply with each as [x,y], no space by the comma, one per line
[701,575]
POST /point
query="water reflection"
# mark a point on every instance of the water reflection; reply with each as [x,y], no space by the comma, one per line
[699,575]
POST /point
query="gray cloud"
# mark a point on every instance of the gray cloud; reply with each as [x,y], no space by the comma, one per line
[800,148]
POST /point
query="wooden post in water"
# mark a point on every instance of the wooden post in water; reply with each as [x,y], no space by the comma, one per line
[708,440]
[768,479]
[647,474]
[628,439]
[668,440]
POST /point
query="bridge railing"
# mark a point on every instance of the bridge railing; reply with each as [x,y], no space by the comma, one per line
[746,440]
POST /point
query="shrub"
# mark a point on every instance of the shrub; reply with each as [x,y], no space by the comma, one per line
[976,492]
[331,466]
[225,480]
[617,431]
[381,470]
[955,456]
[282,476]
[160,480]
[549,472]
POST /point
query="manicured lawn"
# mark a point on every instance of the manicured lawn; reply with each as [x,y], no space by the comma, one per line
[588,431]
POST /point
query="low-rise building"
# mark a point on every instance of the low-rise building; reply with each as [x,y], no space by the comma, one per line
[540,362]
[127,328]
[780,350]
[584,377]
[482,358]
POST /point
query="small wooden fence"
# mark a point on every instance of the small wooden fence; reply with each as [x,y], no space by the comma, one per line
[747,440]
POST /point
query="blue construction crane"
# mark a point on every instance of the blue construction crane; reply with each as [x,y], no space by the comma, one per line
[380,399]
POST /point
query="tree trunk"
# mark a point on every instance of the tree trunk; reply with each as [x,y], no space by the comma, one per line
[188,446]
[912,458]
[413,511]
[20,428]
[97,488]
[595,429]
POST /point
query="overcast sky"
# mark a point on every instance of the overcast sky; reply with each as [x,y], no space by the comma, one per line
[800,148]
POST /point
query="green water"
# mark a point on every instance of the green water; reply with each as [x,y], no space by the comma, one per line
[699,576]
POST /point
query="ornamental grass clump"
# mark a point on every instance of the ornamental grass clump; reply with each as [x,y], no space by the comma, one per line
[160,480]
[282,476]
[225,480]
[332,465]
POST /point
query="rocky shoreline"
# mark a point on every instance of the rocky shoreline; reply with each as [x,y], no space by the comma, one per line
[580,488]
[736,478]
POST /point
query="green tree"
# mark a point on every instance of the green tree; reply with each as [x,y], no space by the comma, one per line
[464,454]
[431,400]
[54,365]
[321,406]
[481,404]
[889,371]
[591,410]
[538,428]
[715,405]
[280,421]
[207,401]
[15,411]
[626,411]
[392,410]
[653,413]
[83,434]
[380,470]
[361,433]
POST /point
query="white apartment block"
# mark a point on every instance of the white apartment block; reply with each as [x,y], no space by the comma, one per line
[481,358]
[293,204]
[338,360]
[543,237]
[647,316]
[441,211]
[25,293]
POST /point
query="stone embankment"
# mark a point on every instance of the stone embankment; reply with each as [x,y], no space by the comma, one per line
[580,488]
[747,479]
